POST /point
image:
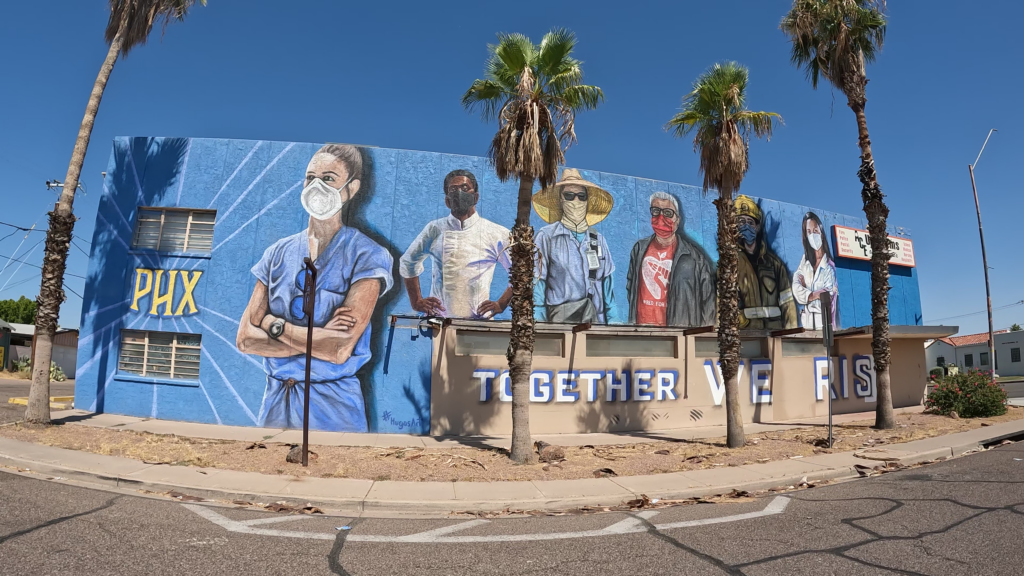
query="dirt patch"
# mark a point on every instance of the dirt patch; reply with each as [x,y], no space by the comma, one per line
[476,464]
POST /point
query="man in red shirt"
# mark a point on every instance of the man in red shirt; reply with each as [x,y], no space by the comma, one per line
[670,281]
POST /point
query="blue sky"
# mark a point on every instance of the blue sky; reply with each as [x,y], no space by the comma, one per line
[390,74]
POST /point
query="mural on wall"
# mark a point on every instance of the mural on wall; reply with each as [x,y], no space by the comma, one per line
[574,268]
[766,298]
[353,272]
[670,281]
[463,249]
[372,218]
[815,275]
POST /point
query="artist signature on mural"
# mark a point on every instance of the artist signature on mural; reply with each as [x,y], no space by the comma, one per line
[387,417]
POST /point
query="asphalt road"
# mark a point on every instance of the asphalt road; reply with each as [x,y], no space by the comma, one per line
[13,388]
[964,516]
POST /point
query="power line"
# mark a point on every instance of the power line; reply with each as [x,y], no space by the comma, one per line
[79,248]
[24,280]
[1017,303]
[40,267]
[22,228]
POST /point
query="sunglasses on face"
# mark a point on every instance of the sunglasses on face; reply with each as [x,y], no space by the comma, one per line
[457,189]
[570,195]
[666,212]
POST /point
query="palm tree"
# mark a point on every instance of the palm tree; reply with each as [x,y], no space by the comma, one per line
[534,92]
[715,112]
[834,40]
[129,26]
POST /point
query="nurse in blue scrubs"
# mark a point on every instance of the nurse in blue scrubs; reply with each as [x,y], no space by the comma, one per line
[353,272]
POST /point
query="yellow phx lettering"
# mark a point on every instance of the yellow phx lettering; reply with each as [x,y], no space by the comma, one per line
[150,282]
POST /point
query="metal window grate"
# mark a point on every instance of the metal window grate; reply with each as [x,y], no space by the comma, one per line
[159,354]
[174,230]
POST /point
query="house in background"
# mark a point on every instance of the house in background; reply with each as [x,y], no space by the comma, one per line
[971,351]
[65,347]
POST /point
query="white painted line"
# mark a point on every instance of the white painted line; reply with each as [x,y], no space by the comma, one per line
[233,526]
[432,535]
[274,519]
[441,535]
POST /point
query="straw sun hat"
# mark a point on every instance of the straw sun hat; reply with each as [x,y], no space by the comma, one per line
[548,202]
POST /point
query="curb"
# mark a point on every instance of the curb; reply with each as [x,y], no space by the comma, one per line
[366,505]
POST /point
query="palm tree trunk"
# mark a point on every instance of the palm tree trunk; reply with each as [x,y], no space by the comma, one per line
[58,240]
[877,213]
[728,317]
[520,346]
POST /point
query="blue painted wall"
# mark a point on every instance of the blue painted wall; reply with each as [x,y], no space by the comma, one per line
[255,188]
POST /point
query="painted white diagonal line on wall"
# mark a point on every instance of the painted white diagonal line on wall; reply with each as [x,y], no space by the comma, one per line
[235,173]
[254,182]
[253,219]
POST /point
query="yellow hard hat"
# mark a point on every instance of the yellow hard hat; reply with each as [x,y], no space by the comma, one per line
[747,207]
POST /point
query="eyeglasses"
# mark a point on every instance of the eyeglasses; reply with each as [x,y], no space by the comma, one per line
[457,189]
[666,212]
[570,195]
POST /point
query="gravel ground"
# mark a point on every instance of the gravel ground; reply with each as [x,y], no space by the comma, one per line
[474,464]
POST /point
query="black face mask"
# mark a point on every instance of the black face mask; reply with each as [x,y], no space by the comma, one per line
[461,203]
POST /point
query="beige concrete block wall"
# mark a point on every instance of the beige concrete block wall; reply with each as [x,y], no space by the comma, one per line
[456,407]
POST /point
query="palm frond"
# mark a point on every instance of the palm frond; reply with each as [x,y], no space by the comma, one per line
[139,16]
[555,47]
[515,51]
[487,96]
[534,92]
[833,39]
[714,113]
[582,97]
[758,124]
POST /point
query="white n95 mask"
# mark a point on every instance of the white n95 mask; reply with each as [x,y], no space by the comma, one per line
[321,200]
[814,239]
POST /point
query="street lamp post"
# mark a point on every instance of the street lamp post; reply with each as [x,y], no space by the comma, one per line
[984,258]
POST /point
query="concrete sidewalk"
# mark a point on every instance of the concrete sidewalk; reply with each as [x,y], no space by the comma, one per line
[389,498]
[252,434]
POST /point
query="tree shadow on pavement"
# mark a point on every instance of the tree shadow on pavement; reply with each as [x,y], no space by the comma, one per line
[55,521]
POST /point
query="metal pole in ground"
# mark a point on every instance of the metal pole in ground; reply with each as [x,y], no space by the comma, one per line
[984,260]
[308,307]
[828,340]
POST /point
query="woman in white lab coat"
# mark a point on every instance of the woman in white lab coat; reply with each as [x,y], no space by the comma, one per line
[815,275]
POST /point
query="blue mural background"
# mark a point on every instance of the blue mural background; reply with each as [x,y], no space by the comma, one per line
[255,187]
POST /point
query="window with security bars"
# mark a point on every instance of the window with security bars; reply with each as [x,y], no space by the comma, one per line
[174,230]
[159,354]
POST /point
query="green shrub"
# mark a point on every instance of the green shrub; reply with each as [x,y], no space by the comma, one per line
[971,395]
[56,374]
[937,373]
[22,365]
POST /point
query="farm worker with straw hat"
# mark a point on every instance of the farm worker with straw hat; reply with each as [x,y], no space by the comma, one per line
[574,268]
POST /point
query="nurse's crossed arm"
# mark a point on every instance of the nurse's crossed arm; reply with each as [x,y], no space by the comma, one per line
[332,343]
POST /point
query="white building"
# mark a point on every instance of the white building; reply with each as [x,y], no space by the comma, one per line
[971,351]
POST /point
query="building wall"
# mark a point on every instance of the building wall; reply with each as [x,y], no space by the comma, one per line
[975,350]
[939,349]
[1005,344]
[256,188]
[789,386]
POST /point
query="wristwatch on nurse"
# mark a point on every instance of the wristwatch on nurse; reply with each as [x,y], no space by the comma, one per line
[276,328]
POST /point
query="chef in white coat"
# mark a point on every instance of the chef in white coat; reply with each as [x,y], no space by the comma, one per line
[463,248]
[815,275]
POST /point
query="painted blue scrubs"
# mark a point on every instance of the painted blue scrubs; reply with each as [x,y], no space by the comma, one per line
[336,398]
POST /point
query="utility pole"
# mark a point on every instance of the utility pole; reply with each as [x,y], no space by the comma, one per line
[984,258]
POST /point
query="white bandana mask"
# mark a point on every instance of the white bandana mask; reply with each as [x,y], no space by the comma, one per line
[814,239]
[321,200]
[574,216]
